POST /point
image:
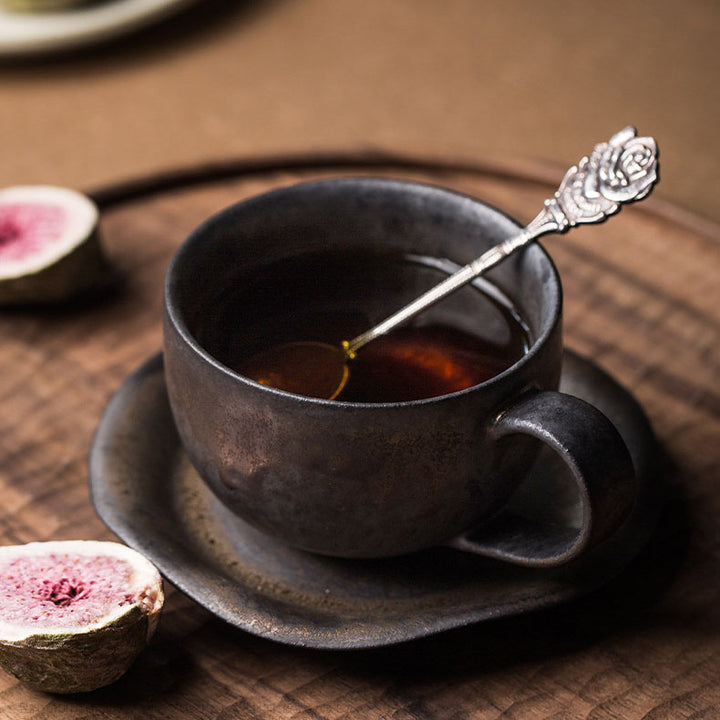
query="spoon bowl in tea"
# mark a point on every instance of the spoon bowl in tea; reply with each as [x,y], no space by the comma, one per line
[620,171]
[304,367]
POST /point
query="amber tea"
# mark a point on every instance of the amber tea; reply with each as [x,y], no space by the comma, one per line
[411,363]
[467,339]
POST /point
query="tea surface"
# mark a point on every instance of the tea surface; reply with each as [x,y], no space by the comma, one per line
[411,363]
[466,339]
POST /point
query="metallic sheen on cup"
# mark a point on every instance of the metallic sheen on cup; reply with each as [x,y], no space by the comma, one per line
[371,480]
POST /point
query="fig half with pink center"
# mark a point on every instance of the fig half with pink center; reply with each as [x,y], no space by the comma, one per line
[75,614]
[49,244]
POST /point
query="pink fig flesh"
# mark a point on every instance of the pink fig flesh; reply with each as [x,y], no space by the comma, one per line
[27,228]
[62,590]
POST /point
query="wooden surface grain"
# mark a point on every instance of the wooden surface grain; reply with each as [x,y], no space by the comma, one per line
[641,299]
[456,78]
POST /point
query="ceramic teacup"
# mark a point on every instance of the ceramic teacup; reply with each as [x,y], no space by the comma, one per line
[376,479]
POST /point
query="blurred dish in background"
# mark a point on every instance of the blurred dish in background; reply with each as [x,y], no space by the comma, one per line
[42,5]
[33,33]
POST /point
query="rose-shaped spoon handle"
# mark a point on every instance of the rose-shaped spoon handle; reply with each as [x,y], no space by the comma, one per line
[622,170]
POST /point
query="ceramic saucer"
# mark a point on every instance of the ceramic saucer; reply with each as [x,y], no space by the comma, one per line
[148,493]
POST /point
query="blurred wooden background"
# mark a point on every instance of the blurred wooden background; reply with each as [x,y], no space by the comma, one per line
[524,87]
[461,78]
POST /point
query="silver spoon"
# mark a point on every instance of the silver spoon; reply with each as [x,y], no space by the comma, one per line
[623,170]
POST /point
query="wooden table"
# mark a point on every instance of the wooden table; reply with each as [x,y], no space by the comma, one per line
[641,298]
[299,90]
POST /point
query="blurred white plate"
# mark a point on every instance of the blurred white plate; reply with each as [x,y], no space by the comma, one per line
[33,33]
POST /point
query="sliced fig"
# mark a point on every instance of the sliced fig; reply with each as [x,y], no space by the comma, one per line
[75,614]
[49,244]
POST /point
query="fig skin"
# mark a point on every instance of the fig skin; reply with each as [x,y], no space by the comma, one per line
[83,659]
[65,663]
[81,268]
[85,269]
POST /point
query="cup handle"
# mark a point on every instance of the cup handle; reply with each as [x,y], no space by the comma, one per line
[599,463]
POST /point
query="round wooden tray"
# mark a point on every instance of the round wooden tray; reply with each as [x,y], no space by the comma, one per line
[641,300]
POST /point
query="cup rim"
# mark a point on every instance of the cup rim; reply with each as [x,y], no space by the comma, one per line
[175,316]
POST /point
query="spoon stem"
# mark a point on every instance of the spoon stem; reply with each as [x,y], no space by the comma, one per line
[620,171]
[461,277]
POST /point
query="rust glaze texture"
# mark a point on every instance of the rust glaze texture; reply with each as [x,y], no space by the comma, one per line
[374,480]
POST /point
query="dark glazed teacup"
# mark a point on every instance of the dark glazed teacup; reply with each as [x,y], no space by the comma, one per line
[378,479]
